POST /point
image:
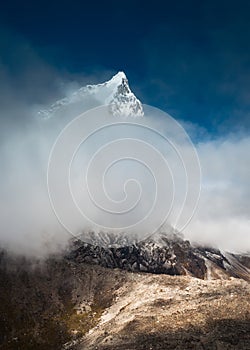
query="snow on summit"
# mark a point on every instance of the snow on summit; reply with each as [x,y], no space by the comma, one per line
[114,92]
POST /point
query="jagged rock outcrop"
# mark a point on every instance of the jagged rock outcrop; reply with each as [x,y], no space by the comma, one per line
[170,255]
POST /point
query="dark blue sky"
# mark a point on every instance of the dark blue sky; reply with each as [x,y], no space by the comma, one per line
[190,58]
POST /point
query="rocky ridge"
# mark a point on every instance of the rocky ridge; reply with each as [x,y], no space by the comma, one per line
[162,254]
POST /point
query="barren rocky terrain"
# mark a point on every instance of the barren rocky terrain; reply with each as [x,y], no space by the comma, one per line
[174,312]
[67,302]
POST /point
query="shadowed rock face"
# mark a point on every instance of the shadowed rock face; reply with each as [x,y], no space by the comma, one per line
[175,259]
[43,304]
[163,254]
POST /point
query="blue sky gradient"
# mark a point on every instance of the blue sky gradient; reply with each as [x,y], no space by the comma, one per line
[189,58]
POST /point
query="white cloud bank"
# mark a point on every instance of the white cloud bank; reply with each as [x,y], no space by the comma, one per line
[223,216]
[27,222]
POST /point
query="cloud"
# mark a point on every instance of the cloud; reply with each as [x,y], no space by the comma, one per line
[26,84]
[28,223]
[223,216]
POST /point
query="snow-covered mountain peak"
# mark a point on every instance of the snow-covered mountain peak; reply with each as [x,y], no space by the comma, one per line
[117,79]
[122,100]
[115,93]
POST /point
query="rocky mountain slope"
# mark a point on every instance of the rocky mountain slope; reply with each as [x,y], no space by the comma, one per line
[64,304]
[161,254]
[181,312]
[44,304]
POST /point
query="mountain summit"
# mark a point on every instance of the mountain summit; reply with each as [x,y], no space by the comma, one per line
[115,93]
[123,102]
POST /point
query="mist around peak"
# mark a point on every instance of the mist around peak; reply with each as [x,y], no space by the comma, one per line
[29,129]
